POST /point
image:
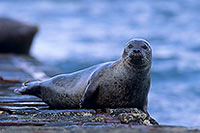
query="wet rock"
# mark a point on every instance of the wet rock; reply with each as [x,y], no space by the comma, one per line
[60,124]
[117,111]
[5,110]
[139,129]
[3,81]
[16,37]
[58,113]
[54,117]
[17,123]
[132,116]
[137,119]
[96,124]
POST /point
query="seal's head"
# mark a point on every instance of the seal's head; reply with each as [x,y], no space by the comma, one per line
[138,52]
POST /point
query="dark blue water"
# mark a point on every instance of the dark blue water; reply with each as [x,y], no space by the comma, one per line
[77,34]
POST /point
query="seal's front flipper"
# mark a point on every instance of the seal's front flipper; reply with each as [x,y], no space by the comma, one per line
[28,88]
[88,98]
[144,109]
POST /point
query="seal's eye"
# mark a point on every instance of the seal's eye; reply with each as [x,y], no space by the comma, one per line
[130,46]
[144,47]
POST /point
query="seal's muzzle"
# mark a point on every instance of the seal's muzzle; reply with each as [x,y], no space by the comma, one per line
[137,52]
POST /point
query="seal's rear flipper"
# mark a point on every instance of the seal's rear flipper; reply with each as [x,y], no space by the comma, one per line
[18,91]
[22,90]
[28,88]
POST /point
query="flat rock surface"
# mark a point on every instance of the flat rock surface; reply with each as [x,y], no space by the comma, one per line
[24,113]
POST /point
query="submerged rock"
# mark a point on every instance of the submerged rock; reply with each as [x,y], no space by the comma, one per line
[16,37]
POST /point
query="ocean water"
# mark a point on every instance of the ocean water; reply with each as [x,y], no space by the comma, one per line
[77,34]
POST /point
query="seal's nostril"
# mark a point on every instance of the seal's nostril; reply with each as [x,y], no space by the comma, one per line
[136,51]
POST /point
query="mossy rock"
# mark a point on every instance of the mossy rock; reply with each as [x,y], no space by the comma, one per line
[132,116]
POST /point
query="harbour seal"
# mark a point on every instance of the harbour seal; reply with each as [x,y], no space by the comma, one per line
[117,84]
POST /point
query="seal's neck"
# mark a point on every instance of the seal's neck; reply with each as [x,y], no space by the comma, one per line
[137,69]
[136,76]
